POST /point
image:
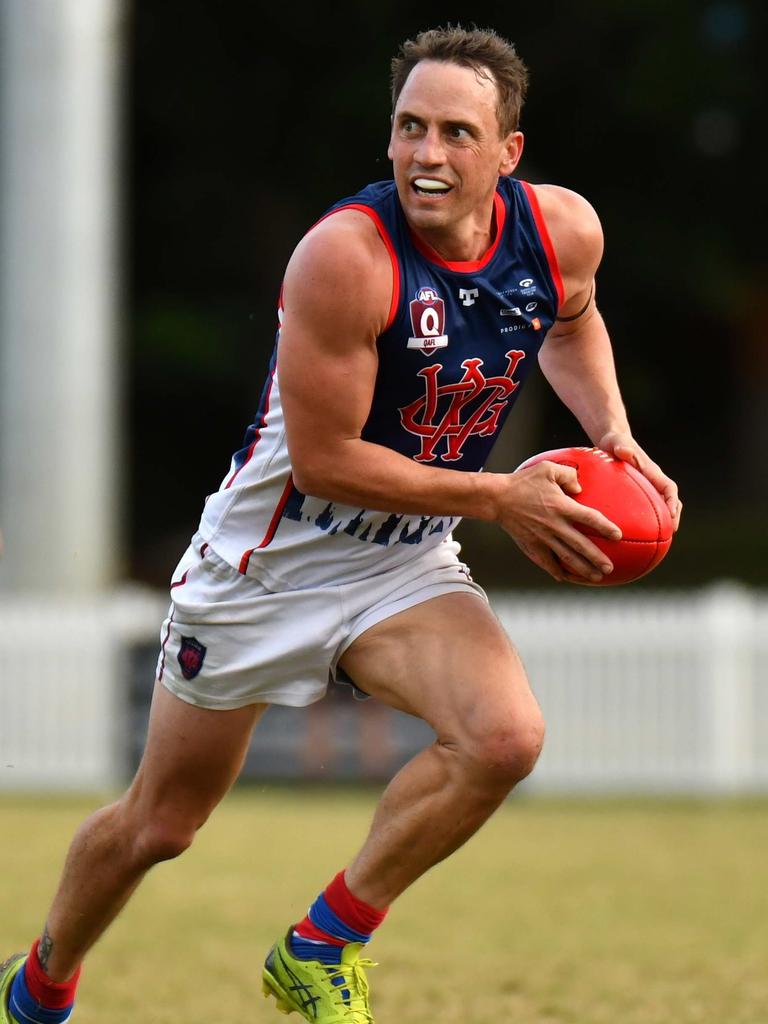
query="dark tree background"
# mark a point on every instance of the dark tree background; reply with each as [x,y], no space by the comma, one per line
[244,124]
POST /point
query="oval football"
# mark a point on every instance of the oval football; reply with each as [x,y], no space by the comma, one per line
[628,499]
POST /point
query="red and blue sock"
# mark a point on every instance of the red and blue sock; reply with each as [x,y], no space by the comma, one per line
[35,999]
[336,918]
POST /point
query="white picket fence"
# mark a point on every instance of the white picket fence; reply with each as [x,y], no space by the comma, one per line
[652,692]
[64,707]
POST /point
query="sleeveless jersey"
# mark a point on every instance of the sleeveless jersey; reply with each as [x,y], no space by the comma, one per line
[460,340]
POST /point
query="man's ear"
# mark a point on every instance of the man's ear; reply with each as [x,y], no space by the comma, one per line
[513,150]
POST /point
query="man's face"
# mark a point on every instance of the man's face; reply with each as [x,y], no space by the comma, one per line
[446,146]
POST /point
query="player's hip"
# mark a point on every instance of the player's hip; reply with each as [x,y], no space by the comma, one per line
[229,640]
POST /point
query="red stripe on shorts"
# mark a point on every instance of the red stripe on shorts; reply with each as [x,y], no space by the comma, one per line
[162,649]
[181,582]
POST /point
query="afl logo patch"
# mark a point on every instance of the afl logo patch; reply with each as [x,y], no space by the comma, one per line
[427,322]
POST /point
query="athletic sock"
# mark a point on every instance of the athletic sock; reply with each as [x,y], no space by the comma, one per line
[35,999]
[335,918]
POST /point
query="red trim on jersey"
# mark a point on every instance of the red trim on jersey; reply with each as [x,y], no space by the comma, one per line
[203,549]
[243,567]
[468,266]
[384,236]
[546,241]
[271,529]
[257,435]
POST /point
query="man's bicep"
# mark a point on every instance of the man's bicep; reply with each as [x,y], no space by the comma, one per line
[326,386]
[335,301]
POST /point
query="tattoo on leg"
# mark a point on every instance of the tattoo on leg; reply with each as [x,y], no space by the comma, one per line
[44,949]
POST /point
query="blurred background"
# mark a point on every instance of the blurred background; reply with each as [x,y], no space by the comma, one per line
[160,162]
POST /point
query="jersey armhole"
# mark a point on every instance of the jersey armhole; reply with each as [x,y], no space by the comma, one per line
[385,237]
[546,242]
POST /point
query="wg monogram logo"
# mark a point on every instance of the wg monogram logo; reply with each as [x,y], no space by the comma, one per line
[473,405]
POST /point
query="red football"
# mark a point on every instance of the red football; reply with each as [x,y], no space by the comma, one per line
[625,497]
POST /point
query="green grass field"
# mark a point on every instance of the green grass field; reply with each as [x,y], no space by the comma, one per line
[615,912]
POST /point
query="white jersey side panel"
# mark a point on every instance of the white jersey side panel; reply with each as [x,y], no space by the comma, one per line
[263,526]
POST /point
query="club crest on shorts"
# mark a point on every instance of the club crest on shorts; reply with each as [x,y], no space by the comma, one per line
[191,656]
[427,322]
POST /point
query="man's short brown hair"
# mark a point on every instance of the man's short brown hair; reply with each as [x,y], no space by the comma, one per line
[480,49]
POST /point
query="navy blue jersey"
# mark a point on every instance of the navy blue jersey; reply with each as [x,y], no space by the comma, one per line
[459,342]
[462,336]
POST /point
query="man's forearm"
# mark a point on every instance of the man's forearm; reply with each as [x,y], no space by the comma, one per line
[371,476]
[578,363]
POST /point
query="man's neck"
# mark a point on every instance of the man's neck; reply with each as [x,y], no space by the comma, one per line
[462,243]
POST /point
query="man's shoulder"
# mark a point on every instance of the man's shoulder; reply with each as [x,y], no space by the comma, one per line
[573,225]
[341,269]
[379,196]
[353,229]
[346,242]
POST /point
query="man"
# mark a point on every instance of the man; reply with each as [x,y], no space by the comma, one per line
[410,316]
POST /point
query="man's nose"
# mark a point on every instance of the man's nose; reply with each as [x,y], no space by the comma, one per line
[430,152]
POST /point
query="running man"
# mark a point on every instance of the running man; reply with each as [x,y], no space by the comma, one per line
[410,316]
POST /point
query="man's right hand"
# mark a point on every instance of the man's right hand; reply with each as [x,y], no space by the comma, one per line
[538,512]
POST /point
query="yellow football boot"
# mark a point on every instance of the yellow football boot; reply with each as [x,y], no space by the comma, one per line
[321,993]
[8,971]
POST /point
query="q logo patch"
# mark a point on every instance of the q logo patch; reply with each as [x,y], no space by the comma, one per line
[427,322]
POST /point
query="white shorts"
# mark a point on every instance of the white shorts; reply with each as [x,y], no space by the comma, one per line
[228,641]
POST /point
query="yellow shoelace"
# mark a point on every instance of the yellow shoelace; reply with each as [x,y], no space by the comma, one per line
[353,978]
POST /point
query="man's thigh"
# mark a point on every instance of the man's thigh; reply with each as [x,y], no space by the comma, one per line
[447,661]
[192,756]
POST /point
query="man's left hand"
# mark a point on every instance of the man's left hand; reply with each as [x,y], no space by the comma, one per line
[622,446]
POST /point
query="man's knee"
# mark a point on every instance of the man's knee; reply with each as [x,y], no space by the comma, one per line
[154,834]
[504,753]
[162,840]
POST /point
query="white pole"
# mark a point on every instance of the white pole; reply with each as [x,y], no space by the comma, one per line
[60,451]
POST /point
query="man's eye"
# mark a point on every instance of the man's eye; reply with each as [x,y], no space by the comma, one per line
[457,132]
